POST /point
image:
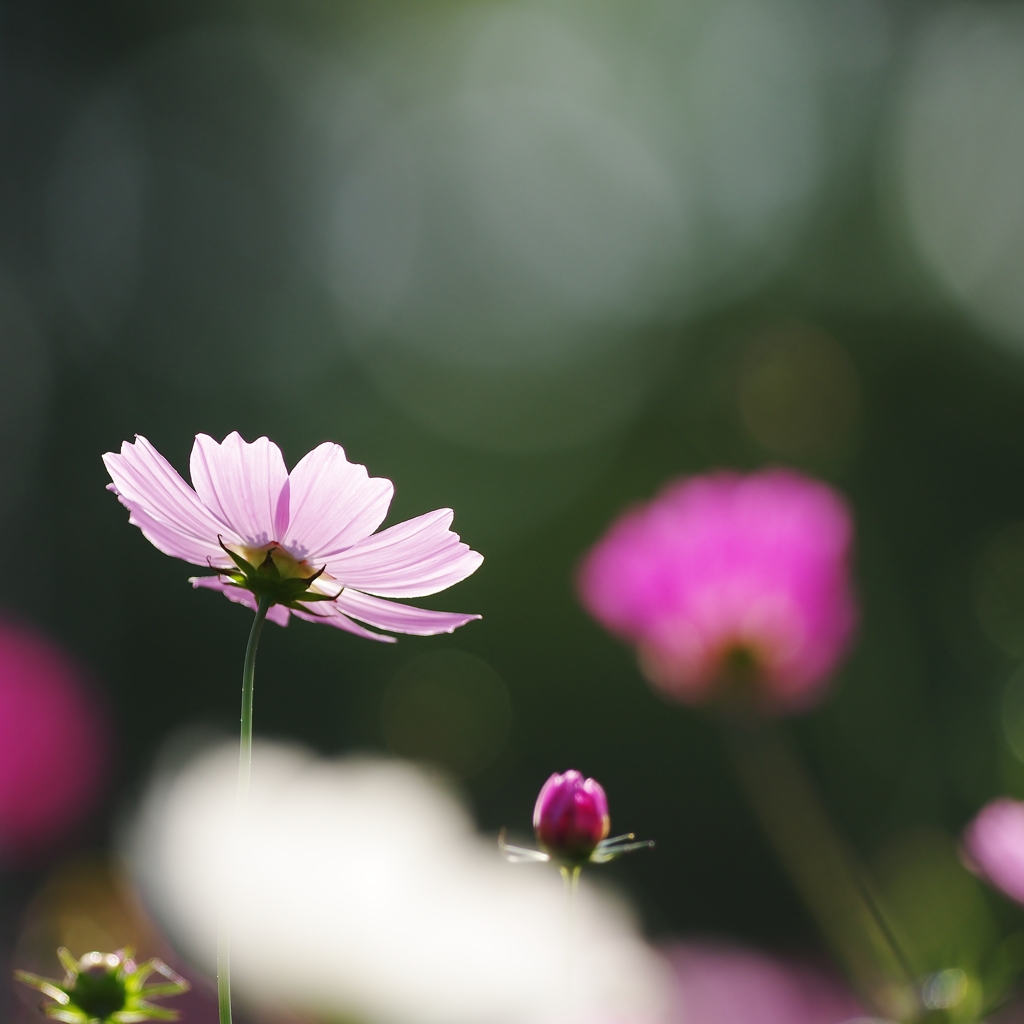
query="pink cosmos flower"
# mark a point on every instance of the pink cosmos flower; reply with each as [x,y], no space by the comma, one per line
[53,744]
[993,846]
[304,539]
[571,816]
[730,579]
[725,984]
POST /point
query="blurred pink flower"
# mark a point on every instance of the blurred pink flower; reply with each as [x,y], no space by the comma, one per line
[993,846]
[724,984]
[728,578]
[571,816]
[319,519]
[53,744]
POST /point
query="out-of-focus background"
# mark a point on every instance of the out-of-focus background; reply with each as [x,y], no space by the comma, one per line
[528,259]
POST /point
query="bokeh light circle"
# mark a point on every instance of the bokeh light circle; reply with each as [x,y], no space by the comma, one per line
[959,159]
[799,393]
[96,208]
[998,589]
[489,227]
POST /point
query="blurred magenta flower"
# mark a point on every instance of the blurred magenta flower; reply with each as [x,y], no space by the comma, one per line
[304,540]
[729,581]
[571,816]
[53,744]
[993,846]
[724,984]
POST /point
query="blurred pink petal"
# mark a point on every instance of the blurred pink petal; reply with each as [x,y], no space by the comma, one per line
[412,559]
[320,517]
[53,743]
[724,984]
[243,485]
[722,567]
[994,846]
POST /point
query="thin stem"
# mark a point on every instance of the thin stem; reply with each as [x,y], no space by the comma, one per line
[224,974]
[832,881]
[865,888]
[244,772]
[248,674]
[571,877]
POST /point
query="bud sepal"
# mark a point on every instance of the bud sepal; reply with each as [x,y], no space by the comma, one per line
[605,851]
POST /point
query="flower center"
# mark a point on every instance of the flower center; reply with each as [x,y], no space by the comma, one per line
[740,664]
[288,566]
[271,572]
[741,675]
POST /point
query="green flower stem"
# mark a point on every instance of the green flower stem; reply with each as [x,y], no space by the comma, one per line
[571,877]
[244,773]
[830,879]
[248,674]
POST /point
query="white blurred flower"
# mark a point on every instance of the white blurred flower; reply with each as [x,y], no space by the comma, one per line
[363,891]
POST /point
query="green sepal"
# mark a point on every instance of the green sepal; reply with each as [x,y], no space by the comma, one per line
[609,849]
[266,581]
[321,597]
[245,568]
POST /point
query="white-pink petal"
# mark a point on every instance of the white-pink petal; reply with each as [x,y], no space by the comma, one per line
[328,613]
[277,613]
[244,485]
[412,559]
[163,506]
[334,503]
[400,618]
[172,541]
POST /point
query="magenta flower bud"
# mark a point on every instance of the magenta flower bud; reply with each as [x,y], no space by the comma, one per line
[730,587]
[993,846]
[571,816]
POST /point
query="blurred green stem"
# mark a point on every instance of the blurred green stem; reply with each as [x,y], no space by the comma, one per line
[830,879]
[571,877]
[244,772]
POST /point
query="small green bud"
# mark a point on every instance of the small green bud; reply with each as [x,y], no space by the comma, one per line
[107,988]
